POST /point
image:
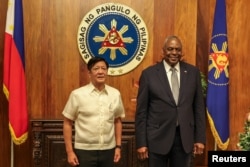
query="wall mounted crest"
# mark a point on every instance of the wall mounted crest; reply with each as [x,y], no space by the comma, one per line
[115,32]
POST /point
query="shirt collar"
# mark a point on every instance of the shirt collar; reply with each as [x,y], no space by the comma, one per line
[94,89]
[168,67]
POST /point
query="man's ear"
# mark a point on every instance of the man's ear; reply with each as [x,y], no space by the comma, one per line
[182,57]
[162,54]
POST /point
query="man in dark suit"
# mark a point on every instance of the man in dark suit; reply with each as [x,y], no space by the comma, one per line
[169,129]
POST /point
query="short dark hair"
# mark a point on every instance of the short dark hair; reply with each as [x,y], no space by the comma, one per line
[95,60]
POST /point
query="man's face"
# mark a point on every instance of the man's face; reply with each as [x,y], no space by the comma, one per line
[172,51]
[98,73]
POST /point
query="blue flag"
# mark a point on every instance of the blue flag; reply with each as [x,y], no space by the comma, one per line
[218,79]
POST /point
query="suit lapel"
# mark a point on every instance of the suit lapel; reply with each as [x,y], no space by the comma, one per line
[183,79]
[164,81]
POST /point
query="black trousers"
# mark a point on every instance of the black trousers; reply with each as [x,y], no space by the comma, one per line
[95,158]
[177,157]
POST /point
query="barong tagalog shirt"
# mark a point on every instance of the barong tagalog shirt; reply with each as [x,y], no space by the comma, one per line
[93,113]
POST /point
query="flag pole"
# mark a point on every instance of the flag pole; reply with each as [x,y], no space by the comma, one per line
[215,146]
[12,154]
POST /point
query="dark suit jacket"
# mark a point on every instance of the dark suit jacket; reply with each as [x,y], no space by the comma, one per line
[157,113]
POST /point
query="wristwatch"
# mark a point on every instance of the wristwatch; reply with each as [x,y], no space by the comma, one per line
[118,146]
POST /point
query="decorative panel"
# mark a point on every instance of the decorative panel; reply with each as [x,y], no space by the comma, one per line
[49,149]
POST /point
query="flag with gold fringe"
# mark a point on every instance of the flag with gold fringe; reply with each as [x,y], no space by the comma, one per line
[218,79]
[14,85]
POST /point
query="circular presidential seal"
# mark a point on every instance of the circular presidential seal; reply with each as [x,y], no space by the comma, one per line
[115,32]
